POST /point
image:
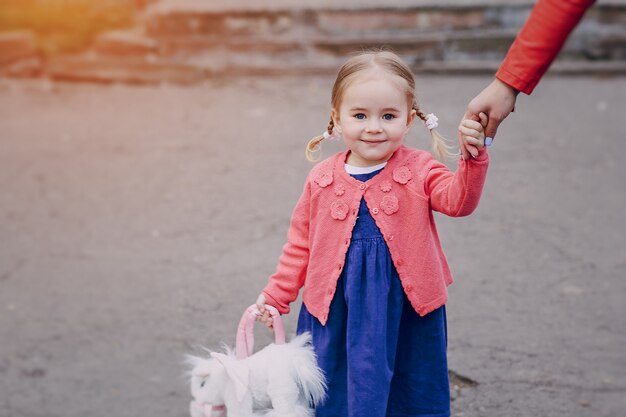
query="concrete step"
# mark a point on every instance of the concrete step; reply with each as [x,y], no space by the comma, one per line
[186,41]
[125,42]
[265,53]
[429,30]
[238,18]
[164,21]
[15,46]
[157,70]
[18,55]
[129,70]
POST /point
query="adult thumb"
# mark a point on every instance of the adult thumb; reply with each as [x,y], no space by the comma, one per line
[491,128]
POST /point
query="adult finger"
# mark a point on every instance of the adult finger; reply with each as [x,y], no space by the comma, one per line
[491,129]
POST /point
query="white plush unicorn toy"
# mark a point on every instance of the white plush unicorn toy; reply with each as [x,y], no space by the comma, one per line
[281,380]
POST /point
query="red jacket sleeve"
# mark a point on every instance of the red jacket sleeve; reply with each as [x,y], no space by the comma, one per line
[540,41]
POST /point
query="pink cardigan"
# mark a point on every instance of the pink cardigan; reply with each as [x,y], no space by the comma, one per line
[401,199]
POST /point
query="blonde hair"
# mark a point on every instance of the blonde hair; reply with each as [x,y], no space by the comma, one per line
[392,64]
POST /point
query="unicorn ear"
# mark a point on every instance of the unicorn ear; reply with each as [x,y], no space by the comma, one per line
[199,366]
[237,371]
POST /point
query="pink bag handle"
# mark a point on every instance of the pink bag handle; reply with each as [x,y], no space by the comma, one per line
[245,332]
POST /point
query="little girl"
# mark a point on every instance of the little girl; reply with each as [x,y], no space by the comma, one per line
[363,243]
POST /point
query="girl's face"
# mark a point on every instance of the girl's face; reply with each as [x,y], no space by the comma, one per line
[373,118]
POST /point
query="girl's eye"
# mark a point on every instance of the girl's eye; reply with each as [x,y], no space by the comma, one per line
[389,116]
[359,116]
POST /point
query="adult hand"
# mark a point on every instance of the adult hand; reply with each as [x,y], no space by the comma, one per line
[497,100]
[264,317]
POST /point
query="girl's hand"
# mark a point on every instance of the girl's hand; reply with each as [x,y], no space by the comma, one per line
[264,317]
[472,134]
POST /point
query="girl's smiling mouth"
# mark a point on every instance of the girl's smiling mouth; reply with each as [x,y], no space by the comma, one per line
[373,140]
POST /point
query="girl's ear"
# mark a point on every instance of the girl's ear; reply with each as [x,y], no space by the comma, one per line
[334,114]
[409,120]
[411,117]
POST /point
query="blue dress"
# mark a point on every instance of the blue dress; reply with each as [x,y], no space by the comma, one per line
[380,358]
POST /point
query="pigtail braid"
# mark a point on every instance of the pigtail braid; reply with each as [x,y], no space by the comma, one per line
[315,145]
[442,147]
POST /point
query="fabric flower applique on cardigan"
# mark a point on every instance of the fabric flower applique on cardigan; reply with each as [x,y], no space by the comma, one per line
[385,186]
[402,174]
[339,210]
[324,179]
[389,204]
[340,190]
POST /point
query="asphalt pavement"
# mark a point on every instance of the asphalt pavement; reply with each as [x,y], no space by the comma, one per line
[137,223]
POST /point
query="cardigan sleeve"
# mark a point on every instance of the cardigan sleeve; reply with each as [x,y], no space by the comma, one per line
[285,283]
[539,42]
[457,193]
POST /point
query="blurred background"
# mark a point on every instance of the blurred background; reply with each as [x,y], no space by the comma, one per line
[151,153]
[186,41]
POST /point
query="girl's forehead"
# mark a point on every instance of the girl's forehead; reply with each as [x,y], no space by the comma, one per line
[379,75]
[377,85]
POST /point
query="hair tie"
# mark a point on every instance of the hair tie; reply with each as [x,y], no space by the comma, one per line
[334,135]
[431,121]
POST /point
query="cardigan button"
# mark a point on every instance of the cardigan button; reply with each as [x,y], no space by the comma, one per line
[399,262]
[389,237]
[331,291]
[363,186]
[375,210]
[409,288]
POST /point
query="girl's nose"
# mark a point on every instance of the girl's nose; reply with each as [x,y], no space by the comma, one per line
[373,125]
